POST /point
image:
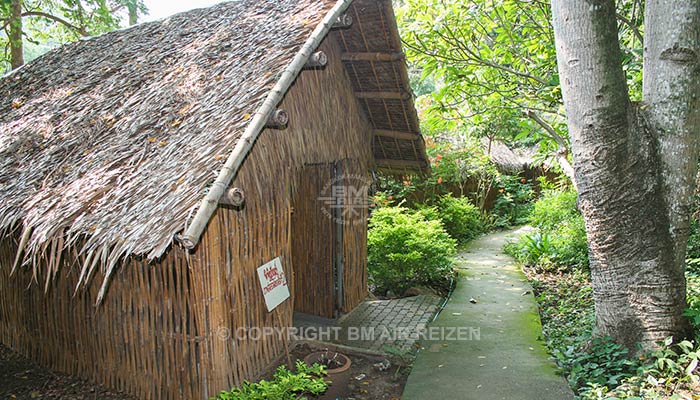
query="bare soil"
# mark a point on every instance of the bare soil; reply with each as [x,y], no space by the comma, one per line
[22,379]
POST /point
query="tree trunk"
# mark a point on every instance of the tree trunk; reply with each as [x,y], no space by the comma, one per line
[15,35]
[133,13]
[634,163]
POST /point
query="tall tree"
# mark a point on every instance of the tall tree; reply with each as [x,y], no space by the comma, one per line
[59,21]
[14,33]
[495,64]
[635,162]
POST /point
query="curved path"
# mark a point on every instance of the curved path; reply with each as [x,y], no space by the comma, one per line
[484,345]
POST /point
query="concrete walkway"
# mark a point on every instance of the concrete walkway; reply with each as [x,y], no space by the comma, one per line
[500,357]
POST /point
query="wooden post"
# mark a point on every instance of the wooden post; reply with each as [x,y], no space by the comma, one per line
[343,21]
[233,197]
[317,60]
[278,119]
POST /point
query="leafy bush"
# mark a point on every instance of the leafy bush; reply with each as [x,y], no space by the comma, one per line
[666,373]
[459,165]
[600,362]
[460,218]
[514,201]
[285,385]
[406,249]
[553,208]
[560,239]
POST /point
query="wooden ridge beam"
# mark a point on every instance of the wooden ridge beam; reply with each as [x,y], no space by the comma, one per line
[396,134]
[373,56]
[388,95]
[389,163]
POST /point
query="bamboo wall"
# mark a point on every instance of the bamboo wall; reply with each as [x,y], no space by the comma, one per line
[161,332]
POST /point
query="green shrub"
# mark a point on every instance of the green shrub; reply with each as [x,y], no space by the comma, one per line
[460,218]
[553,208]
[601,362]
[514,201]
[285,385]
[560,239]
[669,372]
[406,249]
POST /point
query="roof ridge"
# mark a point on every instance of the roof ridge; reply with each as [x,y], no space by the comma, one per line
[245,143]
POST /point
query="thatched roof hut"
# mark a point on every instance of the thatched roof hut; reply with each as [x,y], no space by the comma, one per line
[507,160]
[118,151]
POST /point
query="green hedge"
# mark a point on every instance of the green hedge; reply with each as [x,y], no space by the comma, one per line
[406,249]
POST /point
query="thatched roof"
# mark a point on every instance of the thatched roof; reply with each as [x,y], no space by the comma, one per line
[382,84]
[507,160]
[113,142]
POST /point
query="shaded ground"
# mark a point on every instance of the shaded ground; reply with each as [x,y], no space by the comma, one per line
[22,379]
[497,353]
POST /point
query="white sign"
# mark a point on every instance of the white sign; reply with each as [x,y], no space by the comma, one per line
[273,283]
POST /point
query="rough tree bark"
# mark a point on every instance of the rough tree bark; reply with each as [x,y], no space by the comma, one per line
[15,34]
[634,163]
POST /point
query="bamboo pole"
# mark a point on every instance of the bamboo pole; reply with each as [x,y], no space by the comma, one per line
[194,231]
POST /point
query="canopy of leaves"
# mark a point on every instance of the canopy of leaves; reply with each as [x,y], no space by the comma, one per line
[49,23]
[490,60]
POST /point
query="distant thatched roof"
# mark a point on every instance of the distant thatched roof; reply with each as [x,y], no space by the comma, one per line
[508,161]
[113,141]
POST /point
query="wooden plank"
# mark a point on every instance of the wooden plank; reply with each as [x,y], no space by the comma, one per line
[373,56]
[396,134]
[312,245]
[411,164]
[387,95]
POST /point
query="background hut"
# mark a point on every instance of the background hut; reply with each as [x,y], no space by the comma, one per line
[118,262]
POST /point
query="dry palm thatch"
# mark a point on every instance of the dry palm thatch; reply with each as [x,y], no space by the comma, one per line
[109,145]
[509,161]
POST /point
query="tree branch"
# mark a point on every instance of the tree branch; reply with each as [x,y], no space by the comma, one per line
[562,152]
[55,18]
[630,25]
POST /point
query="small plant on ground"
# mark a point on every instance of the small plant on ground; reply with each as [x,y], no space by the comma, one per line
[559,242]
[406,249]
[285,385]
